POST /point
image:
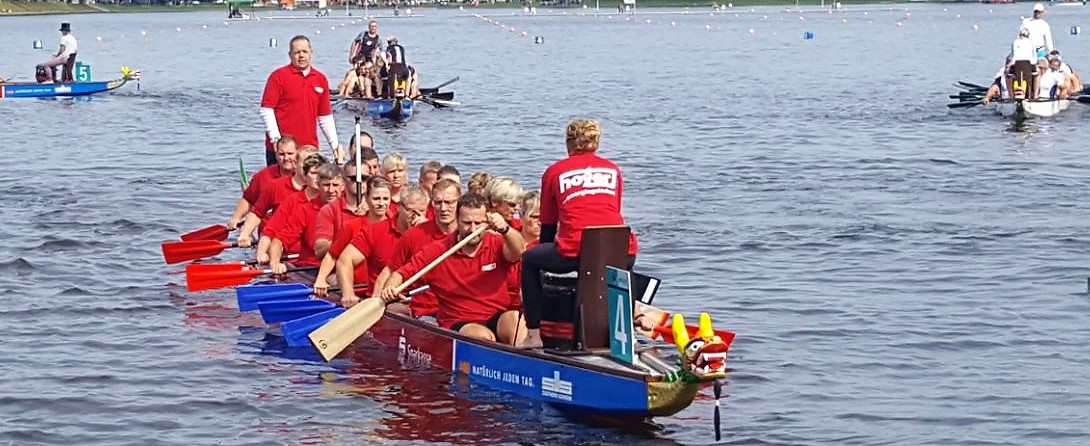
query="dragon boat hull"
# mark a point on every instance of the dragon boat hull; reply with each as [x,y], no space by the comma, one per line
[1023,109]
[395,109]
[588,381]
[583,381]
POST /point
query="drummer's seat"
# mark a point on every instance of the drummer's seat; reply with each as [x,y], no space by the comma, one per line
[576,314]
[66,72]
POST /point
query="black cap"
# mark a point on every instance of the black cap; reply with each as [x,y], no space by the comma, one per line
[66,27]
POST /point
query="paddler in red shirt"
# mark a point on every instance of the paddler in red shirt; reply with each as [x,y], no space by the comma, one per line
[470,284]
[581,190]
[296,102]
[376,195]
[286,150]
[375,243]
[276,192]
[293,225]
[444,199]
[530,227]
[503,195]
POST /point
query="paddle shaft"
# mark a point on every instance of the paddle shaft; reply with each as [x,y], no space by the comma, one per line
[359,164]
[336,335]
[444,84]
[434,263]
[965,104]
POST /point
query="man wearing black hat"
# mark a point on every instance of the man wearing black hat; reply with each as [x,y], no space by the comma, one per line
[66,50]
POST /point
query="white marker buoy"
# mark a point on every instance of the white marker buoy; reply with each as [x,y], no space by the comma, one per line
[272,42]
[539,40]
[37,44]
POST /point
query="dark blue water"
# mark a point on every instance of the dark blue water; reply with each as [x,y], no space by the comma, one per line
[898,273]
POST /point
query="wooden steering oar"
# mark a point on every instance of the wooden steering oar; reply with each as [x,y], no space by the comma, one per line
[336,335]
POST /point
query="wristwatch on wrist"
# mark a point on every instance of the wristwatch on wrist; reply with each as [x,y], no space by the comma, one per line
[505,229]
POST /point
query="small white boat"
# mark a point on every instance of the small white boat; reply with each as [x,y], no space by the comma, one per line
[1041,108]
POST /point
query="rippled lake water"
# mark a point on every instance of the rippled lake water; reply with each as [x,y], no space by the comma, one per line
[897,273]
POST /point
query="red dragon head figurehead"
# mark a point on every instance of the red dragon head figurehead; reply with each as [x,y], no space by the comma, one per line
[704,356]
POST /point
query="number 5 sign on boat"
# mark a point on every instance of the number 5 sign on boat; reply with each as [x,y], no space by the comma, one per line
[623,340]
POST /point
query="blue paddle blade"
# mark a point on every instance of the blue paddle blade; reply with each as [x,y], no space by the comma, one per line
[250,295]
[296,332]
[274,311]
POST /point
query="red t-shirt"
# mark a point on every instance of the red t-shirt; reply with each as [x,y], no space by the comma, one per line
[259,182]
[332,219]
[514,283]
[376,242]
[341,241]
[579,191]
[293,225]
[414,240]
[471,289]
[272,196]
[297,101]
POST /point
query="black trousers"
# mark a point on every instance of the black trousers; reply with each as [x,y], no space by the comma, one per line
[544,257]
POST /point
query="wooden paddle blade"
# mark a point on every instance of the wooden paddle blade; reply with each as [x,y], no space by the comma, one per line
[297,332]
[274,311]
[214,232]
[332,338]
[250,296]
[177,252]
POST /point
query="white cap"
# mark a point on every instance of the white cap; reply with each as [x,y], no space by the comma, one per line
[1039,7]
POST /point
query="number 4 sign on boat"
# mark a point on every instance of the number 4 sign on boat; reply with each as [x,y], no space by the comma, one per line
[623,340]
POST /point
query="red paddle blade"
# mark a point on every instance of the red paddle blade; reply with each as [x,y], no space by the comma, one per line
[199,277]
[177,252]
[210,283]
[214,232]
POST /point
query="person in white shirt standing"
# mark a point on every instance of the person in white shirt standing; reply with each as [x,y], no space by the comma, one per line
[1039,31]
[67,49]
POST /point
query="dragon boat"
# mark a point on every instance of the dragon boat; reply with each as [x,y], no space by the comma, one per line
[66,89]
[400,107]
[591,363]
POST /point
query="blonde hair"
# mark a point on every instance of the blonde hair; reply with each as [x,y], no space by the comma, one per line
[530,200]
[583,135]
[500,189]
[393,160]
[478,181]
[304,152]
[1024,32]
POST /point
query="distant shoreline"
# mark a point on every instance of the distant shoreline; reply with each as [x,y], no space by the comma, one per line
[17,8]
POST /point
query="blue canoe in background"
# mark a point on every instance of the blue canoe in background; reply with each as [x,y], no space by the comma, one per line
[35,90]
